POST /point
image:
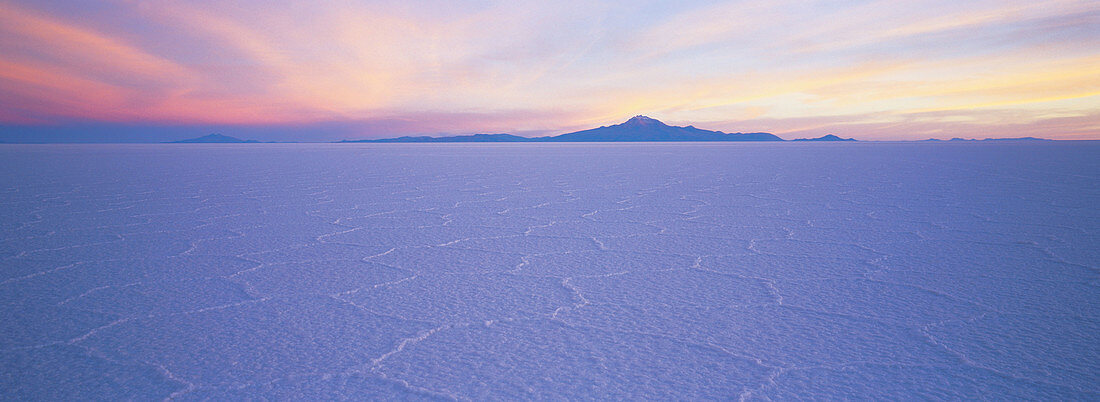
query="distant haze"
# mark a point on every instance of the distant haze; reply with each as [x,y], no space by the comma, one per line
[308,71]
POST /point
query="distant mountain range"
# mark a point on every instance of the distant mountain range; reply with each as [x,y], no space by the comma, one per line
[827,137]
[214,139]
[637,129]
[458,138]
[993,139]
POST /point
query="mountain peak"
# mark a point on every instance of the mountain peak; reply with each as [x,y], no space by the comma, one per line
[637,129]
[640,120]
[218,137]
[826,137]
[214,138]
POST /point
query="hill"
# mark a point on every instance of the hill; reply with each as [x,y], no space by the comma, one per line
[637,129]
[642,128]
[827,137]
[459,138]
[214,139]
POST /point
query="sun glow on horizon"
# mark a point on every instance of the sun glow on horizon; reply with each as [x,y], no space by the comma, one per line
[868,69]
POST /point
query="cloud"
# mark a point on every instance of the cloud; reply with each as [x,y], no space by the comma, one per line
[583,63]
[989,123]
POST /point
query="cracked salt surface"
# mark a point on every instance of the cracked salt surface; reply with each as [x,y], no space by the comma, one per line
[539,271]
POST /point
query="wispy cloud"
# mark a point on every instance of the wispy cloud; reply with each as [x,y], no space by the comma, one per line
[870,68]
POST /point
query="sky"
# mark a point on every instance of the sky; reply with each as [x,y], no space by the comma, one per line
[321,71]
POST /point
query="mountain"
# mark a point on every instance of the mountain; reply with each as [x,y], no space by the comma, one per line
[1017,139]
[827,137]
[642,128]
[214,139]
[637,129]
[459,138]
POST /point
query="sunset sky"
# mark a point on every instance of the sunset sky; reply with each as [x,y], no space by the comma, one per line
[307,70]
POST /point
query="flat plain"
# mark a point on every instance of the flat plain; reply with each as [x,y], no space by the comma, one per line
[547,271]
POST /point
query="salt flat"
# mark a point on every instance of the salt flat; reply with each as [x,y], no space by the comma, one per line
[544,271]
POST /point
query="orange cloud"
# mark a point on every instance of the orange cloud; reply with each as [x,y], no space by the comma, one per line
[84,50]
[878,64]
